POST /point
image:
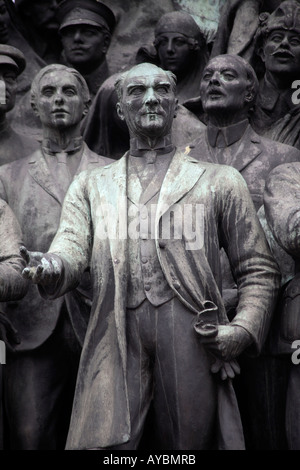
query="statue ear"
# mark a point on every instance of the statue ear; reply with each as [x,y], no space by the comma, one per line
[106,43]
[120,111]
[87,105]
[261,53]
[35,108]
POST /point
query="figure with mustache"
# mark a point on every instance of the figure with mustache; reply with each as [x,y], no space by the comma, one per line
[40,376]
[158,332]
[276,114]
[86,27]
[228,91]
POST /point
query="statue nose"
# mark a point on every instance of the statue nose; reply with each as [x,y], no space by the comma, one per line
[151,97]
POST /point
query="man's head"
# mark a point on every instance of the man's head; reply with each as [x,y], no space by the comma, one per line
[278,40]
[12,64]
[41,14]
[146,100]
[177,38]
[229,86]
[85,27]
[59,97]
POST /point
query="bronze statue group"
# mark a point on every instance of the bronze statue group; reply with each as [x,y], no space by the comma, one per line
[150,222]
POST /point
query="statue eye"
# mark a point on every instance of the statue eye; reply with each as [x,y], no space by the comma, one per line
[207,76]
[70,92]
[163,89]
[294,41]
[47,92]
[179,42]
[276,37]
[228,76]
[135,91]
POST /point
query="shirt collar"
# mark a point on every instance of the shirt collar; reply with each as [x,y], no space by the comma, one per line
[139,147]
[225,136]
[51,147]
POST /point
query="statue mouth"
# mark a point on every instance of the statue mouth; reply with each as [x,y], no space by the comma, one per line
[78,50]
[283,55]
[214,93]
[59,111]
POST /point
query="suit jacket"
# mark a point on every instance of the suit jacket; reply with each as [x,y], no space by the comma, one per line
[255,158]
[31,191]
[97,203]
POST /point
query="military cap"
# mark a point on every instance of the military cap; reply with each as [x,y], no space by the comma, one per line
[285,16]
[91,12]
[10,55]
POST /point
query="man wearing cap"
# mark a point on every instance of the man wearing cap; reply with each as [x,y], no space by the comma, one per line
[13,145]
[10,34]
[179,46]
[86,27]
[40,376]
[277,115]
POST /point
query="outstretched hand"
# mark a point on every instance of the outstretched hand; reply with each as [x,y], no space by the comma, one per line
[41,268]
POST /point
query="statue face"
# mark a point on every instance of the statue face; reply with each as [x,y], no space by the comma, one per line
[174,53]
[224,86]
[148,103]
[4,22]
[84,45]
[8,87]
[60,101]
[281,52]
[42,14]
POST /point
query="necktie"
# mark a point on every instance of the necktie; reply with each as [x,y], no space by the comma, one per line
[149,170]
[63,174]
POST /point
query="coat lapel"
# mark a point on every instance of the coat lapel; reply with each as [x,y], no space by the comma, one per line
[40,172]
[88,160]
[183,173]
[248,150]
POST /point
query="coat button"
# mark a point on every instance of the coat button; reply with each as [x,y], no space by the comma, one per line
[176,284]
[162,244]
[144,236]
[144,260]
[147,287]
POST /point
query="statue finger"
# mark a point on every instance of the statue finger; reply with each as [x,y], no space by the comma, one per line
[235,366]
[25,254]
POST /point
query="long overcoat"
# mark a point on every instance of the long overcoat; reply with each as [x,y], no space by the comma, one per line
[93,232]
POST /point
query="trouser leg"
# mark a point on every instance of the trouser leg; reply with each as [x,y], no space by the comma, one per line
[39,387]
[185,394]
[167,362]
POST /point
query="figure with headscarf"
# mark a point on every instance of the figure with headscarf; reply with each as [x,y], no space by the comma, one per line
[179,46]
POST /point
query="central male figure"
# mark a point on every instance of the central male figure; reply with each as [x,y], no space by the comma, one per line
[155,297]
